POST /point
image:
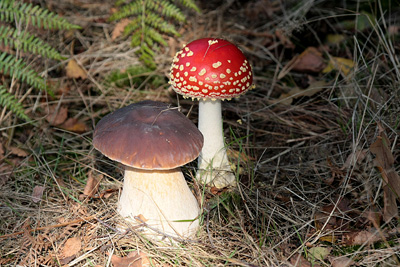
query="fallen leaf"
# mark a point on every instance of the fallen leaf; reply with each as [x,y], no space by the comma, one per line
[71,247]
[312,89]
[74,125]
[133,259]
[108,192]
[92,184]
[37,193]
[310,60]
[335,39]
[343,65]
[318,254]
[354,158]
[18,152]
[384,161]
[341,261]
[363,237]
[373,217]
[75,71]
[57,114]
[119,28]
[142,218]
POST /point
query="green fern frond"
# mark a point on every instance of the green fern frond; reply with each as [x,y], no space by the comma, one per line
[151,19]
[133,26]
[11,10]
[153,34]
[191,5]
[159,23]
[166,9]
[12,66]
[136,8]
[18,12]
[10,102]
[131,9]
[27,42]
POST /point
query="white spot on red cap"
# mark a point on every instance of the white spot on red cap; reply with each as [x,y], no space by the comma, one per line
[217,64]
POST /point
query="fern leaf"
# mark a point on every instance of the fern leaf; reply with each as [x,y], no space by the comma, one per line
[151,19]
[27,42]
[131,9]
[133,26]
[11,10]
[191,5]
[10,102]
[158,23]
[153,34]
[166,9]
[16,67]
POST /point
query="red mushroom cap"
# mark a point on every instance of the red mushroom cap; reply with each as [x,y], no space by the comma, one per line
[211,68]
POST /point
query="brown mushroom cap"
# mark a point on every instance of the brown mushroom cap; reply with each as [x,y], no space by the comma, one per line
[148,135]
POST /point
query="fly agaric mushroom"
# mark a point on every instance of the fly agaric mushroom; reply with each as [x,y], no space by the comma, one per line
[211,70]
[153,140]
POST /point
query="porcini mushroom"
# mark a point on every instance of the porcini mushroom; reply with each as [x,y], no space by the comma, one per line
[211,70]
[153,140]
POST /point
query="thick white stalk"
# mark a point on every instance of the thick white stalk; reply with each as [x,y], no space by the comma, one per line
[214,167]
[163,198]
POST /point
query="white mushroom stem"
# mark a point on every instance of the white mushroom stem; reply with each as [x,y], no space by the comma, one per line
[163,199]
[214,167]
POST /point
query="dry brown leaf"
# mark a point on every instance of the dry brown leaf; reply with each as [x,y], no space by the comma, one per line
[142,218]
[119,28]
[354,158]
[37,193]
[92,184]
[133,259]
[108,193]
[71,247]
[312,89]
[341,261]
[18,152]
[310,60]
[57,115]
[75,71]
[384,161]
[74,125]
[362,237]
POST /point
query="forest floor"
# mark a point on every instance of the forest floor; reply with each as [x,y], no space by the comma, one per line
[315,145]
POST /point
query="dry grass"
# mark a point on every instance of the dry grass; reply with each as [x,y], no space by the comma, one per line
[294,159]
